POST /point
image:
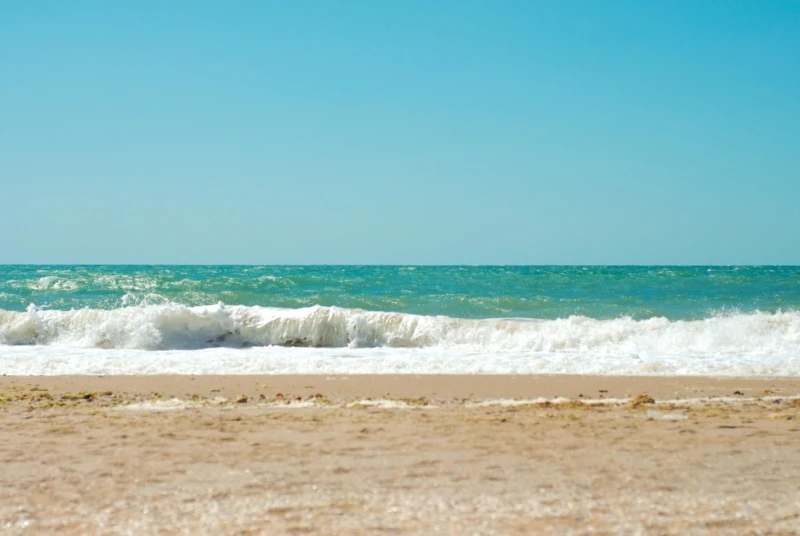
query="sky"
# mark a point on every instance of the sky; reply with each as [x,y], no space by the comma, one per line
[400,132]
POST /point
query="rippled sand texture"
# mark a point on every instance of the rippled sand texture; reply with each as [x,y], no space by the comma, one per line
[136,463]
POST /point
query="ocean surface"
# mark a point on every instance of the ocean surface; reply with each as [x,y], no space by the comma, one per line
[663,320]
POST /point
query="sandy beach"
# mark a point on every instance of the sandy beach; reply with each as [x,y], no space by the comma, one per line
[399,455]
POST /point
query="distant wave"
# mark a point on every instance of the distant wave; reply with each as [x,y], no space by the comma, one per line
[172,326]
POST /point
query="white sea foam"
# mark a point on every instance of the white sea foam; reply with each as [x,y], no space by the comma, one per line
[52,282]
[220,339]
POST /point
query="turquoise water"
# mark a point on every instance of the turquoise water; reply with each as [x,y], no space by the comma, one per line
[703,320]
[542,292]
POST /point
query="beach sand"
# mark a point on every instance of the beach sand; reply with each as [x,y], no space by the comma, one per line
[399,455]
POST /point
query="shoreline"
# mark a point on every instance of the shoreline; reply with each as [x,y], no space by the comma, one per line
[433,386]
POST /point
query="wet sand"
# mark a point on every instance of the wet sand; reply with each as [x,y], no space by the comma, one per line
[399,455]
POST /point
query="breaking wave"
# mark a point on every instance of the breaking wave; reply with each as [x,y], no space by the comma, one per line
[177,327]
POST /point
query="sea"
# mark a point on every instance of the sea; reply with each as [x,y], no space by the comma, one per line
[625,320]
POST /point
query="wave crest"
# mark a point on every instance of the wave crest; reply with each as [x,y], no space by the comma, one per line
[172,326]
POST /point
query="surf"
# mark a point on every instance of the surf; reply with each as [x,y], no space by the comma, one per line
[178,327]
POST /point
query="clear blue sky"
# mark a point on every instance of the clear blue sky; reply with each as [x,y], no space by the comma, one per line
[486,132]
